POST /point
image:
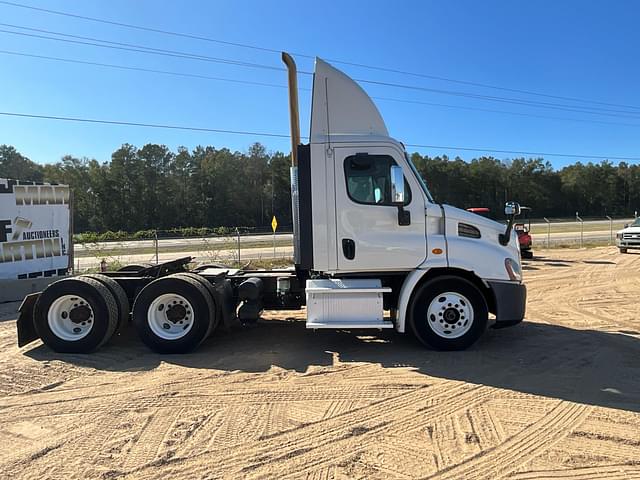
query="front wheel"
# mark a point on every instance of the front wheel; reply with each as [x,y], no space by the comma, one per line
[448,313]
[623,250]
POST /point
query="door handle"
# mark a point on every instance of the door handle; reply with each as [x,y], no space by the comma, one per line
[349,248]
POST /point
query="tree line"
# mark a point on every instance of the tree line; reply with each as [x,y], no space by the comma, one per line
[155,188]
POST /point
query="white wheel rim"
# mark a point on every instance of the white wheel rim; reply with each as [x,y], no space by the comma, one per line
[450,315]
[170,316]
[70,318]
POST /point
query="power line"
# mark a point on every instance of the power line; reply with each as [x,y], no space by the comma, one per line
[506,112]
[148,29]
[517,101]
[519,152]
[140,69]
[483,85]
[149,50]
[272,50]
[273,85]
[276,135]
[139,124]
[171,53]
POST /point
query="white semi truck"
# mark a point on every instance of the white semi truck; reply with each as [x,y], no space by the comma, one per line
[368,239]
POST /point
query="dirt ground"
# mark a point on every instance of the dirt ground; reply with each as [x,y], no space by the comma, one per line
[555,397]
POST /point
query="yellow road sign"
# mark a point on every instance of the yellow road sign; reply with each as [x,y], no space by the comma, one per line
[274,224]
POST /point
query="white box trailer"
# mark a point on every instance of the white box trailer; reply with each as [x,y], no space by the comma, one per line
[368,238]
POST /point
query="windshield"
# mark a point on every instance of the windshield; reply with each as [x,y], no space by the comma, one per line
[636,222]
[419,177]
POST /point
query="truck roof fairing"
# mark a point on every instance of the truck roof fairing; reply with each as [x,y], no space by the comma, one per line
[341,107]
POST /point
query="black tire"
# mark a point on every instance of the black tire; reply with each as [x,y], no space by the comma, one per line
[134,267]
[203,315]
[432,290]
[526,254]
[118,293]
[99,298]
[212,295]
[623,250]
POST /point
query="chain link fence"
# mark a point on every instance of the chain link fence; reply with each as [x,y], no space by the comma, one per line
[579,231]
[233,247]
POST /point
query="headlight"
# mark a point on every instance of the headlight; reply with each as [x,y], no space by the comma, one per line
[513,269]
[619,236]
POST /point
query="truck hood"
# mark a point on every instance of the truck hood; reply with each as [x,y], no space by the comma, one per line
[630,230]
[474,219]
[484,255]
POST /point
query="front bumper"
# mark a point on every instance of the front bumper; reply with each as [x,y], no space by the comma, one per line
[510,302]
[628,243]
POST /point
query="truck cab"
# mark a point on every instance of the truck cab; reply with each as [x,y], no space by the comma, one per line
[629,237]
[372,250]
[365,213]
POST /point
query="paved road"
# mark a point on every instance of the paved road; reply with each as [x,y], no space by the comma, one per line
[173,243]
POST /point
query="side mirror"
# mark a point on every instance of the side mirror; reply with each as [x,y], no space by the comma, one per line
[512,209]
[397,195]
[626,225]
[397,185]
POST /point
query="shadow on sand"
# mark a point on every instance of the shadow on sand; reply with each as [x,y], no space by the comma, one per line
[585,366]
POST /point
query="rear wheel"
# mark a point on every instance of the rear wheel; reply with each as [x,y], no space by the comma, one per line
[75,315]
[118,293]
[211,300]
[173,314]
[448,313]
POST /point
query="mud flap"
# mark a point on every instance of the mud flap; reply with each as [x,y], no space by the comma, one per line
[226,303]
[26,329]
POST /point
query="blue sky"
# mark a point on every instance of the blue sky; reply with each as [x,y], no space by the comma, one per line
[582,49]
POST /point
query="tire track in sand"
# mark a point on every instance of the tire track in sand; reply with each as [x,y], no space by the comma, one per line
[517,450]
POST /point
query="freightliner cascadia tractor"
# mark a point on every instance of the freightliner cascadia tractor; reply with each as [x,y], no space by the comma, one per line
[372,250]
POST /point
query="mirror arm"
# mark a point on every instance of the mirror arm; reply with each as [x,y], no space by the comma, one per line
[506,236]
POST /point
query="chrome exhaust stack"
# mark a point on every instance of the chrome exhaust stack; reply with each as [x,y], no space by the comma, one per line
[294,118]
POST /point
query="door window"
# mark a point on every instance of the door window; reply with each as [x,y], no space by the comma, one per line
[369,179]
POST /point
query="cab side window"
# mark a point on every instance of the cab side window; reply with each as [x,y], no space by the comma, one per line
[369,179]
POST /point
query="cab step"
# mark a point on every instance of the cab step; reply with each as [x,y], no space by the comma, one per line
[342,325]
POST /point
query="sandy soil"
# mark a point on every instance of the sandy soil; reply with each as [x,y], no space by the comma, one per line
[555,397]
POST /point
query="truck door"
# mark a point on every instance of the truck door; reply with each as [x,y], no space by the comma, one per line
[368,231]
